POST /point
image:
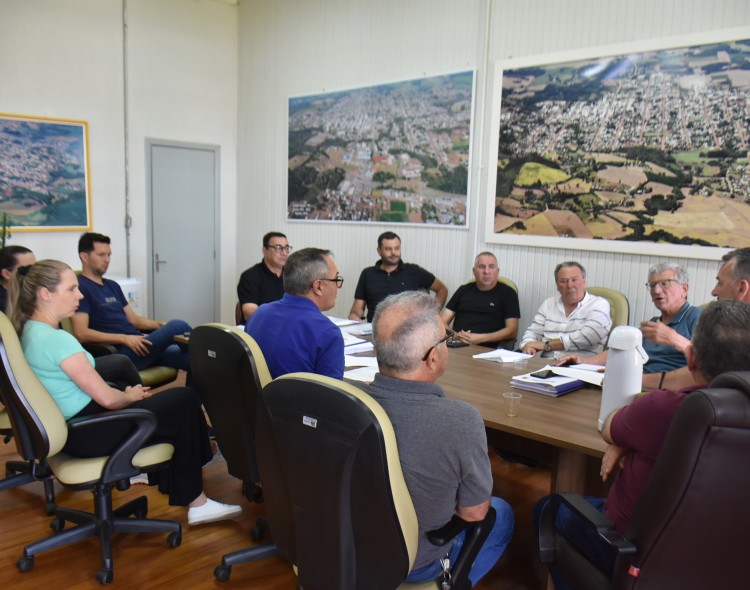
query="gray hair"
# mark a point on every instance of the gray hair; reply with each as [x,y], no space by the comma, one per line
[721,339]
[302,268]
[485,253]
[405,346]
[680,274]
[570,264]
[741,256]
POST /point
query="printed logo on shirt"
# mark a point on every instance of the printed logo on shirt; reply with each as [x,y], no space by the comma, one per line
[110,300]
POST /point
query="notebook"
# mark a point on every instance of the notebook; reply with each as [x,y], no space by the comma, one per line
[554,386]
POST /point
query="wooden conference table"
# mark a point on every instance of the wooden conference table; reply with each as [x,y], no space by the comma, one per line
[566,426]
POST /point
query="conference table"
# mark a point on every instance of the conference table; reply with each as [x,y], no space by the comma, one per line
[565,426]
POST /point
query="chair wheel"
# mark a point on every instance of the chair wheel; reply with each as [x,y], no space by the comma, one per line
[104,576]
[174,540]
[222,572]
[57,524]
[25,564]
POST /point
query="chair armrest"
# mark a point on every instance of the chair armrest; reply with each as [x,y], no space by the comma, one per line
[119,466]
[99,348]
[476,534]
[597,520]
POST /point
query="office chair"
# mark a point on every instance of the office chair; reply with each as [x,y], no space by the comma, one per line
[19,473]
[154,376]
[689,528]
[229,372]
[40,432]
[619,308]
[337,503]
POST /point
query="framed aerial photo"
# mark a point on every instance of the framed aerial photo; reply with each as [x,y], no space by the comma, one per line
[44,173]
[393,153]
[639,148]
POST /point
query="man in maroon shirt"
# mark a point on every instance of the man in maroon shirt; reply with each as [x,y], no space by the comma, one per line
[636,433]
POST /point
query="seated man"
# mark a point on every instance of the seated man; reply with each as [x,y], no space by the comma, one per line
[484,312]
[292,332]
[636,433]
[104,314]
[391,275]
[666,336]
[11,257]
[264,282]
[572,322]
[441,442]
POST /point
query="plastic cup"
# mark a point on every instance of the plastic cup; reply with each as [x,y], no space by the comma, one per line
[512,402]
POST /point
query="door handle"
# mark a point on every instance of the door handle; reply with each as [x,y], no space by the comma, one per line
[158,262]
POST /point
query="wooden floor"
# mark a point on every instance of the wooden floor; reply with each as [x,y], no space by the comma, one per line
[145,562]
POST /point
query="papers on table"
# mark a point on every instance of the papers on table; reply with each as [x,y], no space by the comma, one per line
[593,374]
[358,328]
[500,355]
[340,321]
[365,374]
[360,361]
[350,339]
[554,386]
[363,346]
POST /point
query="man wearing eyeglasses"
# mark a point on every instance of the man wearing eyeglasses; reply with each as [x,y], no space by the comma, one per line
[391,275]
[442,443]
[292,332]
[264,282]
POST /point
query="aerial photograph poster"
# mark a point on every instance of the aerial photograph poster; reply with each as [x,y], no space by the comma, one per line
[44,179]
[619,152]
[392,153]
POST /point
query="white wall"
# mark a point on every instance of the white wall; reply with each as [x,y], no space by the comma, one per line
[300,47]
[64,58]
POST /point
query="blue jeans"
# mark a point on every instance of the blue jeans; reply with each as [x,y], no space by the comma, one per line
[488,555]
[162,350]
[581,535]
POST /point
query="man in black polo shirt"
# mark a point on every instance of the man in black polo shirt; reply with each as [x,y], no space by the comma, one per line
[484,312]
[264,282]
[389,276]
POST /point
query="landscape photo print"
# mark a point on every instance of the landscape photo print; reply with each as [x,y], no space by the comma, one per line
[44,173]
[392,153]
[625,149]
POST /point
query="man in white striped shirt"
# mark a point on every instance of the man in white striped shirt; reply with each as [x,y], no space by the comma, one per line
[573,322]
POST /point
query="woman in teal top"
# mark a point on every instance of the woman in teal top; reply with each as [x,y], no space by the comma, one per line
[40,297]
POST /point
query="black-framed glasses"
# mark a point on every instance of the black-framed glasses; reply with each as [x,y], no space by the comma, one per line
[279,248]
[449,334]
[339,280]
[663,284]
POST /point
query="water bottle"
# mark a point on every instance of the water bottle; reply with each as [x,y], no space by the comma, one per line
[623,374]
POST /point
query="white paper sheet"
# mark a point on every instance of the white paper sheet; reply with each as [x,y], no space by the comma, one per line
[360,361]
[500,355]
[364,374]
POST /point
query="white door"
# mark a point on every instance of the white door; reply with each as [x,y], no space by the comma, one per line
[183,197]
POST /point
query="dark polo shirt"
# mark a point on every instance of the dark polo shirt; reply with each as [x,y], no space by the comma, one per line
[258,284]
[375,284]
[483,312]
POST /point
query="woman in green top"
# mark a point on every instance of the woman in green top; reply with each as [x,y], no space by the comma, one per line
[43,294]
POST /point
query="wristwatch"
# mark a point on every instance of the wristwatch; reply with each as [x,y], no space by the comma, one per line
[547,345]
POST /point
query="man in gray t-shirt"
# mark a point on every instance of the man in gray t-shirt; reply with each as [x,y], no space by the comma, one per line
[442,443]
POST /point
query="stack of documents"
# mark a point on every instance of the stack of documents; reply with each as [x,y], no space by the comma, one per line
[500,355]
[564,380]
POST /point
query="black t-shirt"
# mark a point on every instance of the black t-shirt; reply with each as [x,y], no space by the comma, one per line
[483,312]
[260,285]
[375,284]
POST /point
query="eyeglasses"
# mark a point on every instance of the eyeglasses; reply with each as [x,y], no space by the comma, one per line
[449,334]
[339,280]
[663,284]
[279,248]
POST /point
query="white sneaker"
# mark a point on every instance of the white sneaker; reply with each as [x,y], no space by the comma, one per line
[212,511]
[140,479]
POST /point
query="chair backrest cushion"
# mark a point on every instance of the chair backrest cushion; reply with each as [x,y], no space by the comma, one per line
[692,521]
[619,307]
[338,506]
[228,372]
[39,426]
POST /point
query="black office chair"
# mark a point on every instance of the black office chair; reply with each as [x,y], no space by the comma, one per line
[337,503]
[40,432]
[229,371]
[690,526]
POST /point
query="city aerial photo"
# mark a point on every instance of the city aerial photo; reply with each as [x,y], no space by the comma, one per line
[390,153]
[643,147]
[43,173]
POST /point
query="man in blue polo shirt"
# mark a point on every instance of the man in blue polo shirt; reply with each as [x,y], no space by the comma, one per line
[104,314]
[292,332]
[391,275]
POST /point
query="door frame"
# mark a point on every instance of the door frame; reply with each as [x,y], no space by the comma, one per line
[216,149]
